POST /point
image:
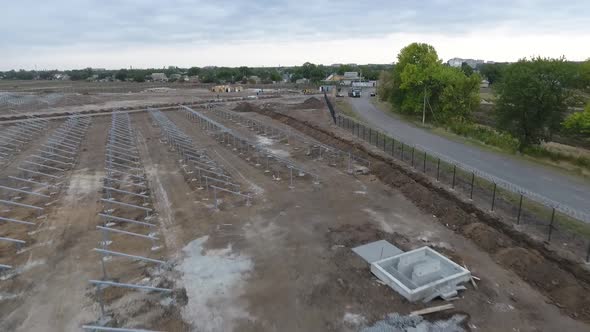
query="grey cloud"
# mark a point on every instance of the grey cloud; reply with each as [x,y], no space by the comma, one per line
[141,22]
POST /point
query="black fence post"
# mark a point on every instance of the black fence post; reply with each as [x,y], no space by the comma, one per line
[424,168]
[494,197]
[454,175]
[519,210]
[413,148]
[472,180]
[551,225]
[437,169]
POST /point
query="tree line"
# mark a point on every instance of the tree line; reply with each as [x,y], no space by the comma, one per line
[314,73]
[534,96]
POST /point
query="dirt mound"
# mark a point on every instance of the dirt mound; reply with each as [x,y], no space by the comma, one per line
[245,107]
[486,237]
[310,103]
[561,287]
[519,259]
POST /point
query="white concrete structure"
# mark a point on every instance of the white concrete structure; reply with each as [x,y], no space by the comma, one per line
[421,274]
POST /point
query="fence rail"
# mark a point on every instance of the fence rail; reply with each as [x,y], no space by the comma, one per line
[535,214]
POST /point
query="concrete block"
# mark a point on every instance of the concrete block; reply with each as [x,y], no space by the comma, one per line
[420,274]
[378,250]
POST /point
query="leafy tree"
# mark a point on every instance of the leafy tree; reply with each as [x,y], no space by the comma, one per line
[466,69]
[578,123]
[492,71]
[244,71]
[121,75]
[24,75]
[420,78]
[275,76]
[458,95]
[193,71]
[585,74]
[385,86]
[533,95]
[412,76]
[345,68]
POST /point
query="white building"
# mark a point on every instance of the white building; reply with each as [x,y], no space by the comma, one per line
[159,77]
[349,77]
[457,62]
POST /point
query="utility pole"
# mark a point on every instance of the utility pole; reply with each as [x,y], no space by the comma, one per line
[424,106]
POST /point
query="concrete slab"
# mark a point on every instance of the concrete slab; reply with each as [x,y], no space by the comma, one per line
[378,250]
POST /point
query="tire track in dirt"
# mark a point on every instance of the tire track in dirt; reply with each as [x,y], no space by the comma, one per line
[161,201]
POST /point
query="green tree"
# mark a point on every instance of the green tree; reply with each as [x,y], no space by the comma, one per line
[345,68]
[412,76]
[578,123]
[532,99]
[585,74]
[466,69]
[458,95]
[419,80]
[193,71]
[121,75]
[492,71]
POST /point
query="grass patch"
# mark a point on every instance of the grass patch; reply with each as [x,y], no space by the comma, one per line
[346,108]
[545,152]
[486,135]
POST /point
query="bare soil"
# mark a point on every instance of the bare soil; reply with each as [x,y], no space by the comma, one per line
[282,264]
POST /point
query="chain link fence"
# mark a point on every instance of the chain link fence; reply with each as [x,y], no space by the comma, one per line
[533,214]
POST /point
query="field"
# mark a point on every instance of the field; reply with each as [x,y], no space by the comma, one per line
[239,214]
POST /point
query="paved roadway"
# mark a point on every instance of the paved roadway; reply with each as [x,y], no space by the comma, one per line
[562,188]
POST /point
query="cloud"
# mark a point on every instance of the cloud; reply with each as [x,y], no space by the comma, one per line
[180,25]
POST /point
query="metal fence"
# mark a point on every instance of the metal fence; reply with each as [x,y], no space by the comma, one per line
[533,214]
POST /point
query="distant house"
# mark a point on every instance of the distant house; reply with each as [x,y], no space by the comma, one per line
[175,76]
[159,77]
[227,88]
[254,79]
[194,79]
[349,77]
[484,84]
[302,81]
[334,78]
[286,77]
[61,77]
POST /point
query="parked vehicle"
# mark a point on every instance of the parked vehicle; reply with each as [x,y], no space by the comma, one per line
[355,93]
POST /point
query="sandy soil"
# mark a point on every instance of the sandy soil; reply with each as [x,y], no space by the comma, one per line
[282,264]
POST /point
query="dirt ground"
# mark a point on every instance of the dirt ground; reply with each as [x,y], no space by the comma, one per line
[284,263]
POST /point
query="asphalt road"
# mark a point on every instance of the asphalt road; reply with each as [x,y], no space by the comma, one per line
[562,188]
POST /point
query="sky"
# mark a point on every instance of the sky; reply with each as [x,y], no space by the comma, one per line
[69,34]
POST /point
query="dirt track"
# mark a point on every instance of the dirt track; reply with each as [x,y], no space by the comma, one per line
[282,264]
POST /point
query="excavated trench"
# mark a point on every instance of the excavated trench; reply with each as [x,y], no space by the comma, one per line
[565,282]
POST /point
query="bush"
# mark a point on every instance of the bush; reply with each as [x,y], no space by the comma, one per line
[539,151]
[485,135]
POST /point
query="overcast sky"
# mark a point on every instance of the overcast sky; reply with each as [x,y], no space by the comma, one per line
[61,34]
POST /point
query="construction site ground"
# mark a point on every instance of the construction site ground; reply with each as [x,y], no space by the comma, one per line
[284,263]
